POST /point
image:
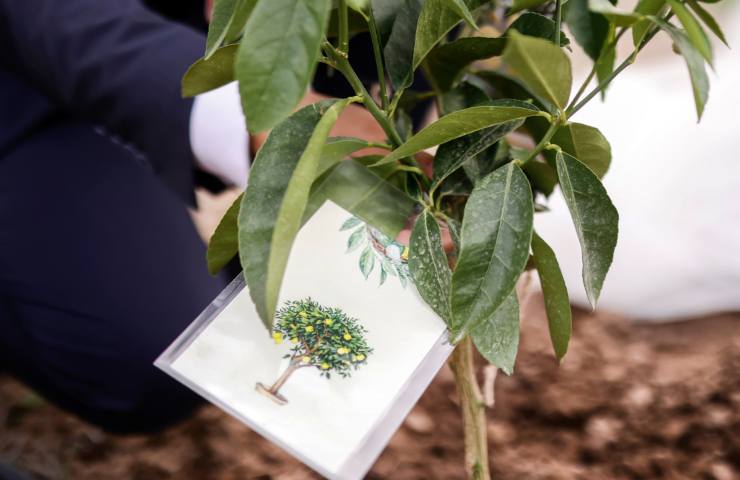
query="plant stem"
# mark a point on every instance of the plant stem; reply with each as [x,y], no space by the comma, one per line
[543,143]
[473,411]
[341,63]
[343,42]
[626,63]
[284,377]
[558,20]
[375,38]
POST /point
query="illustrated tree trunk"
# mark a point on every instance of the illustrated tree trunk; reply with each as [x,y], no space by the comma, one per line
[272,391]
[473,411]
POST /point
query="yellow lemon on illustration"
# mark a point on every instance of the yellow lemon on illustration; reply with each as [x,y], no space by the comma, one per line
[360,357]
[309,328]
[278,337]
[347,336]
[328,321]
[303,314]
[325,366]
[305,359]
[293,340]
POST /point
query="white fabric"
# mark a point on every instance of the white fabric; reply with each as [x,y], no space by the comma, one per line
[218,135]
[676,185]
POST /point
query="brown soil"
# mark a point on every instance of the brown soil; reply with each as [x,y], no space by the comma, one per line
[658,401]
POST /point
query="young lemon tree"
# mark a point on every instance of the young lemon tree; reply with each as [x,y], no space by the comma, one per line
[495,68]
[321,337]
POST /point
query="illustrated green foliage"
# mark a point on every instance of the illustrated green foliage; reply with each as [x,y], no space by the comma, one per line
[321,337]
[485,185]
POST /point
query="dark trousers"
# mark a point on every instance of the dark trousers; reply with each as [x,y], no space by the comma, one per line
[100,269]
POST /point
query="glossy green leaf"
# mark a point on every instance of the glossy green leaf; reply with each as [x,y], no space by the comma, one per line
[694,62]
[595,219]
[205,75]
[399,48]
[536,25]
[541,176]
[543,67]
[462,122]
[275,200]
[277,57]
[645,7]
[462,11]
[224,243]
[708,20]
[557,303]
[622,18]
[589,29]
[519,5]
[239,19]
[496,233]
[366,195]
[693,29]
[463,96]
[587,144]
[454,154]
[436,19]
[428,265]
[448,61]
[337,149]
[223,10]
[497,337]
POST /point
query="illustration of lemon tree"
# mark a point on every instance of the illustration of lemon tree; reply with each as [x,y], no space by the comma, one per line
[321,337]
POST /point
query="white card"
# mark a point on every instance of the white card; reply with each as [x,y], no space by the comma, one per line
[337,426]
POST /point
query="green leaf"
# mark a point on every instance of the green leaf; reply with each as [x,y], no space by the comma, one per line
[436,19]
[462,11]
[587,144]
[399,48]
[708,20]
[205,75]
[447,61]
[595,219]
[364,194]
[224,243]
[337,149]
[356,239]
[541,176]
[350,223]
[463,96]
[239,19]
[496,233]
[536,25]
[543,67]
[277,57]
[497,337]
[605,62]
[694,31]
[588,28]
[361,6]
[275,200]
[367,261]
[428,265]
[454,154]
[223,10]
[462,122]
[557,304]
[694,62]
[519,5]
[622,18]
[645,7]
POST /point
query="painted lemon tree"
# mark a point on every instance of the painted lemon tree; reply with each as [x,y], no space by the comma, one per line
[321,337]
[493,69]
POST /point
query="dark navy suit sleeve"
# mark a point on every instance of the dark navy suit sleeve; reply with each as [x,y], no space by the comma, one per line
[113,63]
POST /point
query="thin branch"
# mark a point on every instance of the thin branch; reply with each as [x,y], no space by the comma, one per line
[375,38]
[343,41]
